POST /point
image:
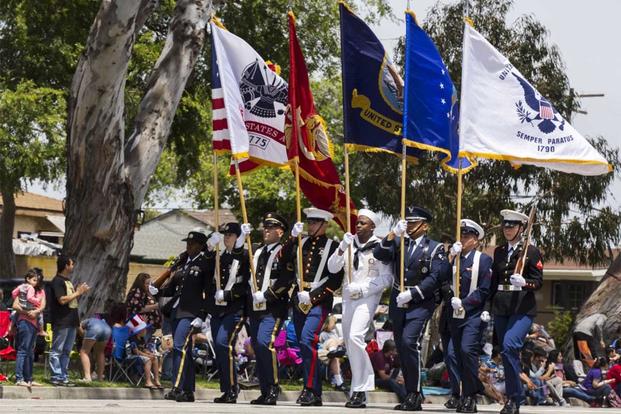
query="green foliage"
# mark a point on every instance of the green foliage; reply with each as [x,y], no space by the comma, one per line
[560,327]
[31,135]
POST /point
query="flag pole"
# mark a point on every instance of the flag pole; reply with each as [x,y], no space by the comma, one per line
[348,211]
[245,218]
[402,246]
[304,308]
[459,313]
[216,202]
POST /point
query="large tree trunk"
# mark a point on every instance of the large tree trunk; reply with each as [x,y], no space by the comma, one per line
[7,225]
[605,299]
[107,178]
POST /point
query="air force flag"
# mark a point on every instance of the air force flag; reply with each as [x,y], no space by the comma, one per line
[503,116]
[372,90]
[429,94]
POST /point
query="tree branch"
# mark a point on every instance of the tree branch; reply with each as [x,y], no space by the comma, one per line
[157,109]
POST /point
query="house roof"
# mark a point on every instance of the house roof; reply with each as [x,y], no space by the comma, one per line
[160,238]
[32,201]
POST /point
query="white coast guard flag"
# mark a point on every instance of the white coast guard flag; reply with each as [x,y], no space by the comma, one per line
[248,102]
[504,117]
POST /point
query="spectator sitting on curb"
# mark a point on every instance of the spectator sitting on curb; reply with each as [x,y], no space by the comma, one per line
[615,373]
[331,349]
[386,370]
[595,384]
[137,341]
[570,388]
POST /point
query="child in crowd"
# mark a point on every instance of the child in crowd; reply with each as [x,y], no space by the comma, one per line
[29,299]
[138,345]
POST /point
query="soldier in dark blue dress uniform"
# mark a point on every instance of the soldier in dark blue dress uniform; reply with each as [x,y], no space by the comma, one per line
[188,287]
[426,268]
[312,302]
[513,301]
[268,306]
[470,318]
[227,306]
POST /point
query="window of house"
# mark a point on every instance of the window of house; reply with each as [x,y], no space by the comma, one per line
[571,295]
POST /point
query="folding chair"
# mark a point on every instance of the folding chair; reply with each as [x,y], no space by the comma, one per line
[122,365]
[9,353]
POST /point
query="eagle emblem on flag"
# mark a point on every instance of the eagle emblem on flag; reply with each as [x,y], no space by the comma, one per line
[546,115]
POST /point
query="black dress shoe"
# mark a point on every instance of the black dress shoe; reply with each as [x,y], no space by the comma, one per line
[302,395]
[172,394]
[510,408]
[185,396]
[469,405]
[311,400]
[357,400]
[271,398]
[453,403]
[229,397]
[259,401]
[413,402]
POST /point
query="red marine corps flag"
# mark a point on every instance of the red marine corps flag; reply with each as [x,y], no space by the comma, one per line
[308,142]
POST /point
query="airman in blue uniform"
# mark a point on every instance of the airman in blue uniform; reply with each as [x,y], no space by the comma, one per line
[426,267]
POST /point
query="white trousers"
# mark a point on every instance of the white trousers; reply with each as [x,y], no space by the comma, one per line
[357,314]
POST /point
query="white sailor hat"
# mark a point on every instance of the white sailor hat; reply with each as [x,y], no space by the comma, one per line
[317,213]
[471,226]
[513,216]
[371,215]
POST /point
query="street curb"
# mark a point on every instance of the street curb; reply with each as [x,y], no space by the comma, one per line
[116,393]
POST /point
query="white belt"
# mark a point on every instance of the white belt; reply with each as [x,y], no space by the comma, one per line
[508,288]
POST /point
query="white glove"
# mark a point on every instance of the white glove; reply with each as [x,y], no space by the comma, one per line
[517,280]
[197,323]
[456,248]
[354,291]
[348,239]
[485,316]
[214,240]
[219,295]
[456,303]
[304,297]
[297,229]
[400,228]
[314,285]
[404,297]
[153,290]
[258,297]
[245,231]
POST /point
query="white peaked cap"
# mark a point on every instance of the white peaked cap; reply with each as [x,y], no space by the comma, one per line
[512,215]
[371,215]
[473,225]
[317,213]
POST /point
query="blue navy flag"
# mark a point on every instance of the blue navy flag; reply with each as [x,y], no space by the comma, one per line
[430,98]
[372,90]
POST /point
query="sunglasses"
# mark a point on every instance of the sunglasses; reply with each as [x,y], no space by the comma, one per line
[509,225]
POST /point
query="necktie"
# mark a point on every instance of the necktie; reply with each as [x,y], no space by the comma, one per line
[510,253]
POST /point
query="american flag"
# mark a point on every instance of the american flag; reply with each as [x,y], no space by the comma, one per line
[221,139]
[545,110]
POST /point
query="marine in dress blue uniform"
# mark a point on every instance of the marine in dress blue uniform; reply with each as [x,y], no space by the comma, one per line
[470,317]
[426,268]
[187,287]
[312,301]
[268,306]
[513,301]
[227,306]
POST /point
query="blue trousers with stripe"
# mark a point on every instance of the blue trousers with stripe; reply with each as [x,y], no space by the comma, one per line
[183,364]
[263,333]
[224,330]
[307,328]
[408,339]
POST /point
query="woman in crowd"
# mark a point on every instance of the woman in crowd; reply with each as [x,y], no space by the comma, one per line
[594,384]
[556,374]
[332,345]
[141,302]
[27,328]
[95,333]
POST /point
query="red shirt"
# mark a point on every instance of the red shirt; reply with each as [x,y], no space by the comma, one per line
[614,373]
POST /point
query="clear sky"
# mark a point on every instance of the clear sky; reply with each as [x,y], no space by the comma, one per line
[587,35]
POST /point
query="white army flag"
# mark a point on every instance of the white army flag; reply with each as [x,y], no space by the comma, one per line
[504,117]
[249,102]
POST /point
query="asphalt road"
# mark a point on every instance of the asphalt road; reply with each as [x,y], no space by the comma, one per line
[160,406]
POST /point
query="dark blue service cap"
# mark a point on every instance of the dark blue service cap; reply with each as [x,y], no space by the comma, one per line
[415,213]
[232,227]
[275,219]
